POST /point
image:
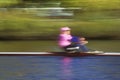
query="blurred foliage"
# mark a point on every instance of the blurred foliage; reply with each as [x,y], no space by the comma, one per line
[98,19]
[93,4]
[7,3]
[84,4]
[13,26]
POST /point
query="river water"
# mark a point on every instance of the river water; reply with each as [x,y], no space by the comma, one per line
[39,46]
[59,67]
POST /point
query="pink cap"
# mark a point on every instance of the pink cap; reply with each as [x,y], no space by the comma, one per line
[65,29]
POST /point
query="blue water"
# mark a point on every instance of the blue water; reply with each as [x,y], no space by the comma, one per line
[59,68]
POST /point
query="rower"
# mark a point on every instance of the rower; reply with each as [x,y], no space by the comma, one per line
[71,43]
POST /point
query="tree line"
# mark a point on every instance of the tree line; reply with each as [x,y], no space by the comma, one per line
[85,4]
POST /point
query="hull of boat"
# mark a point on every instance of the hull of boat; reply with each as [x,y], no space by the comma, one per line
[56,54]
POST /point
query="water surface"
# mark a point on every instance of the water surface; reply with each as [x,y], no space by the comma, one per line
[59,68]
[31,46]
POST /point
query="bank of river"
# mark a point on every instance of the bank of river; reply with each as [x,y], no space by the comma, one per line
[38,46]
[103,24]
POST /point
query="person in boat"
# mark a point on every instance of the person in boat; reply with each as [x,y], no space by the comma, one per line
[66,40]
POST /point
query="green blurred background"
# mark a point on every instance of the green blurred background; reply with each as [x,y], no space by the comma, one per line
[41,19]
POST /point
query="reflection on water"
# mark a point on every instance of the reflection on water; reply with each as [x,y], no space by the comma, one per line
[59,68]
[66,68]
[90,68]
[105,45]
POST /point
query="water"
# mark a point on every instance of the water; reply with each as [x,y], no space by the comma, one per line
[59,68]
[31,46]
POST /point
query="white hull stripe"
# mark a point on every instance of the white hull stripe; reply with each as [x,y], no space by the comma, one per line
[40,53]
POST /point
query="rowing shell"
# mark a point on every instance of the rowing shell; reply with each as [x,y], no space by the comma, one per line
[57,54]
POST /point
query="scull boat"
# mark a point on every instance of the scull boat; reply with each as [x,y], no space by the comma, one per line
[57,54]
